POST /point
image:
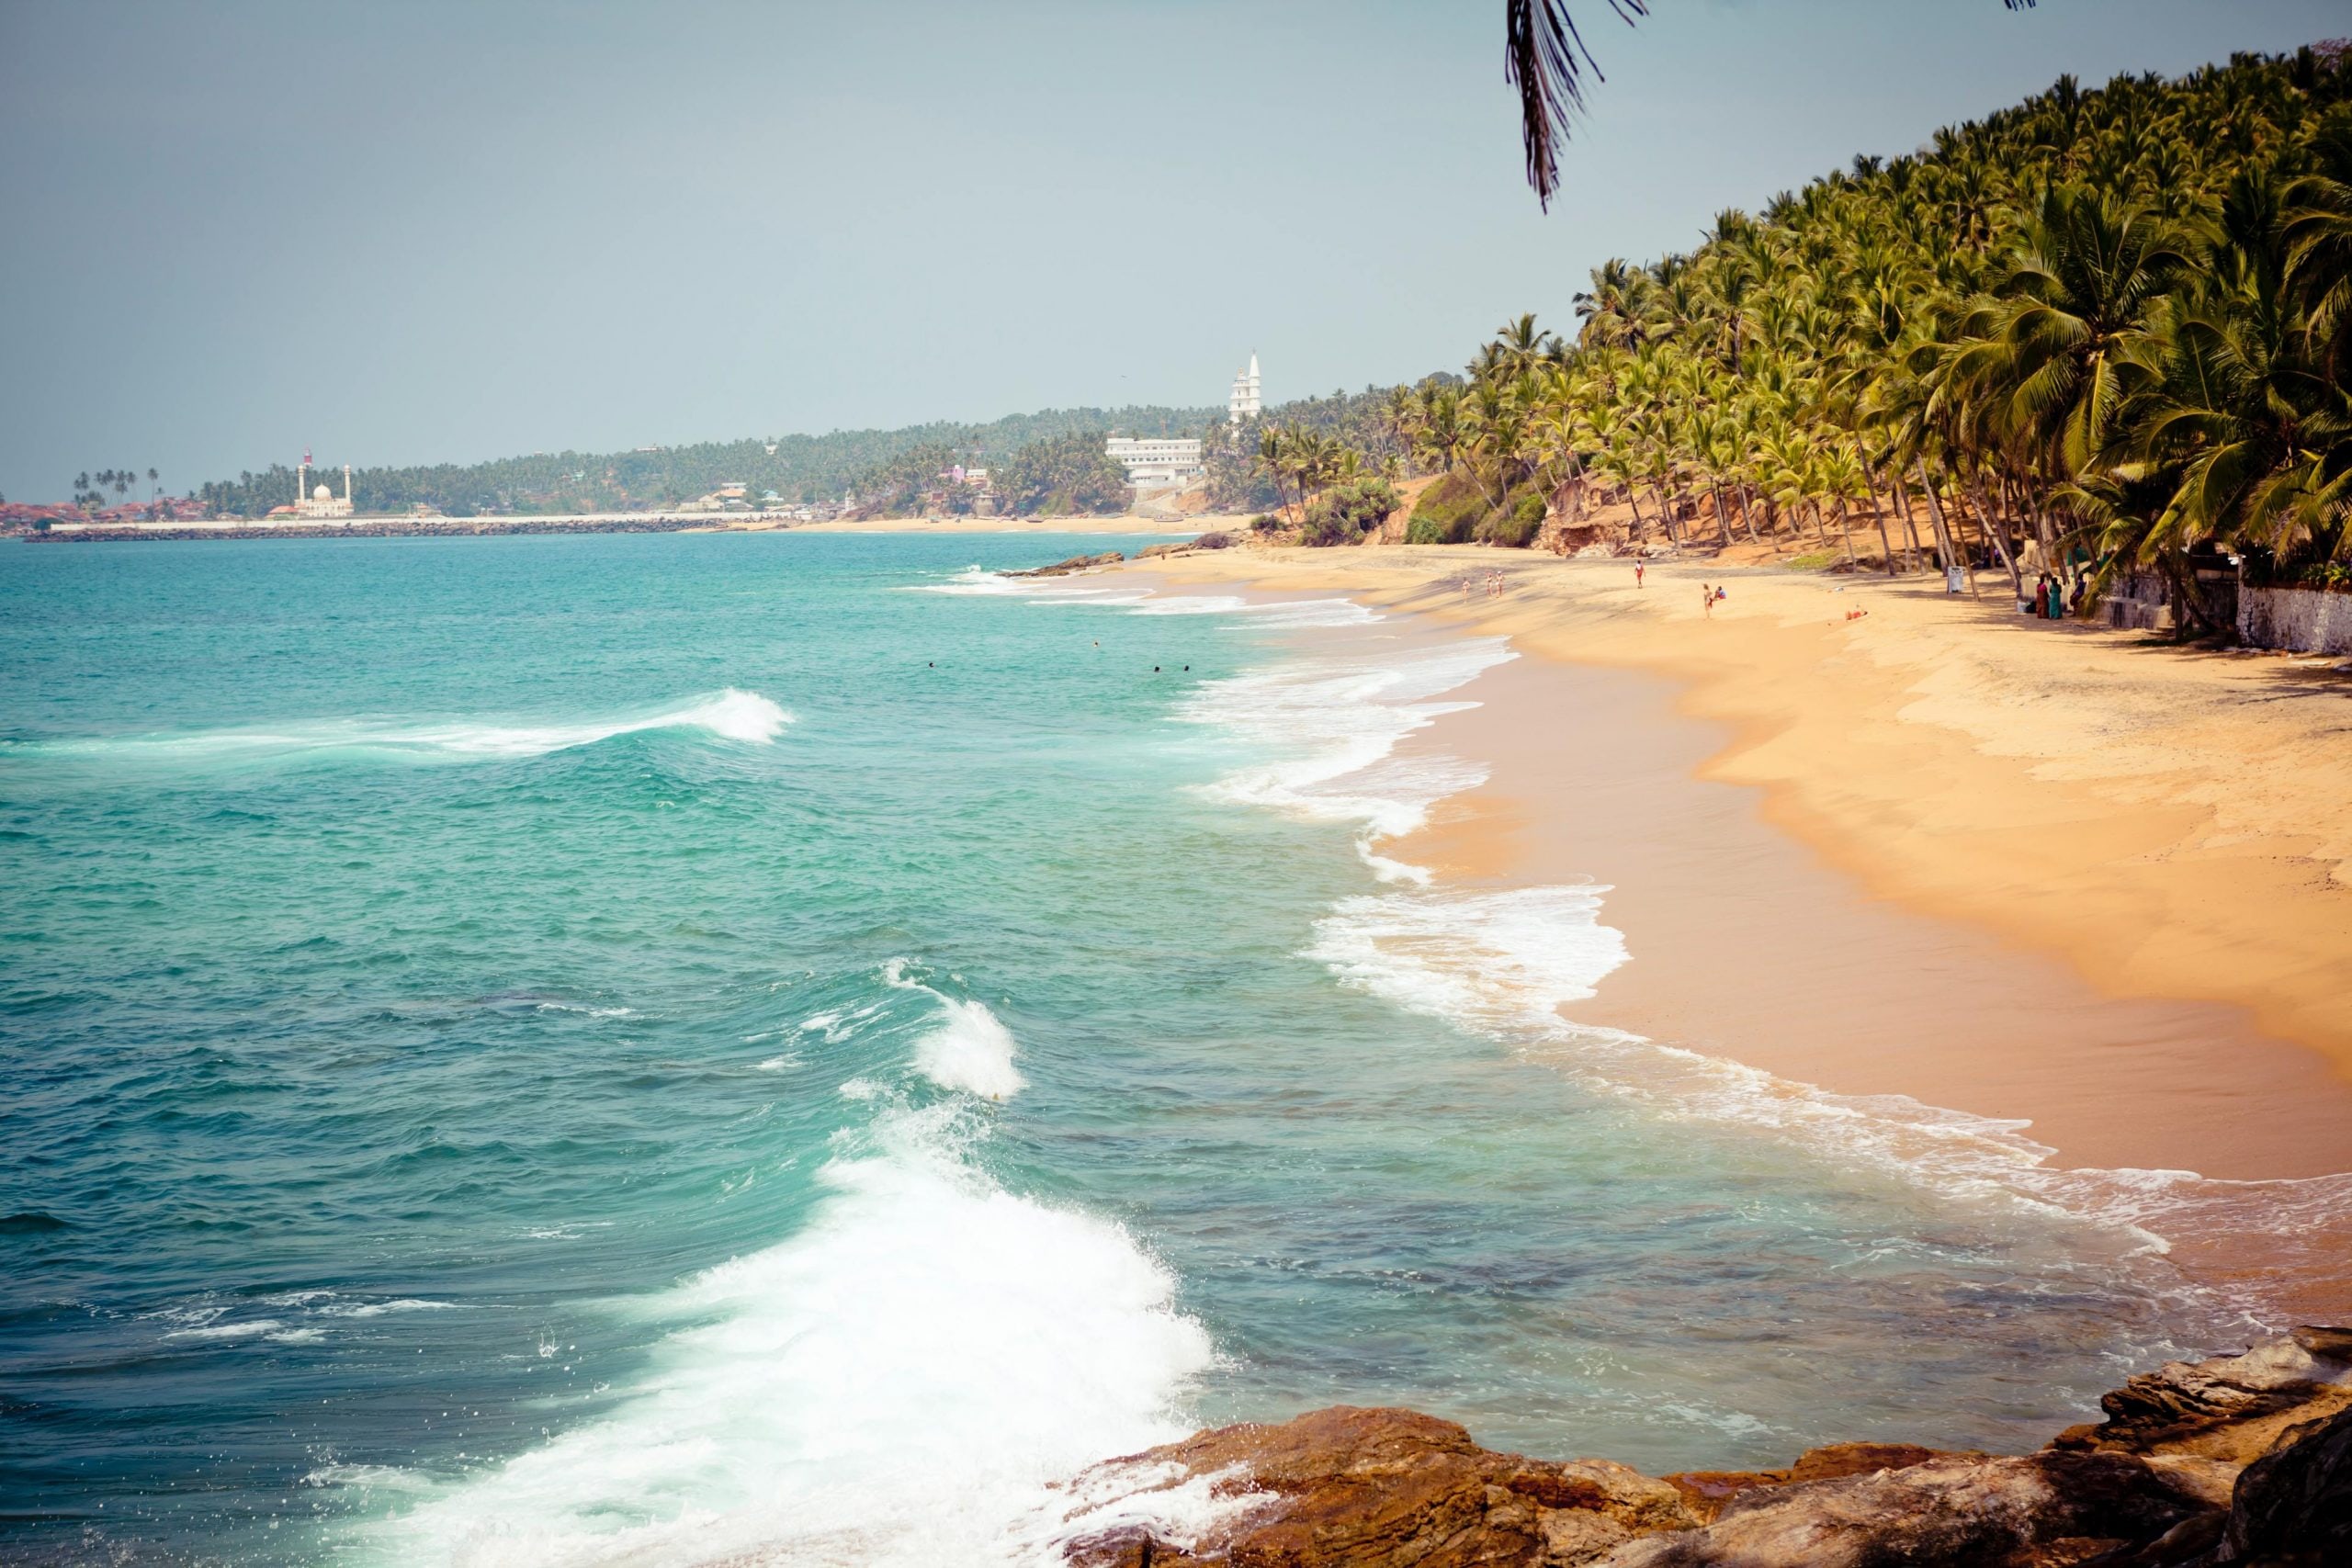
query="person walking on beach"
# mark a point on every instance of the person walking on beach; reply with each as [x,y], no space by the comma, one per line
[1637,573]
[1707,599]
[2041,597]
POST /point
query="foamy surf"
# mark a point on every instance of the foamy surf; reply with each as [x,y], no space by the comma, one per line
[1331,725]
[1076,592]
[907,1381]
[743,716]
[969,1049]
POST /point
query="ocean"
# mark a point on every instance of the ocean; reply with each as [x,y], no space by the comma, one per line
[645,1048]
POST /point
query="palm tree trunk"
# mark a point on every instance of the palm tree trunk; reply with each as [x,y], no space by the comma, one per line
[1747,512]
[1879,516]
[1902,505]
[1846,529]
[1943,534]
[1987,519]
[1723,524]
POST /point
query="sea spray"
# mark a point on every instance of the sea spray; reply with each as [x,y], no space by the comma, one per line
[970,1049]
[902,1382]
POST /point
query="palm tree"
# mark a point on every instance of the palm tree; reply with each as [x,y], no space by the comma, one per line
[2060,350]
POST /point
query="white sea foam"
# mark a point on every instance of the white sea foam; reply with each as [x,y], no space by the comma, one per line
[1081,592]
[731,714]
[906,1381]
[1500,962]
[1267,613]
[378,1309]
[1332,724]
[977,582]
[255,1328]
[969,1049]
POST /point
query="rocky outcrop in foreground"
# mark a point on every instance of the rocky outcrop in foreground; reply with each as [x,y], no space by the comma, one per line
[2240,1461]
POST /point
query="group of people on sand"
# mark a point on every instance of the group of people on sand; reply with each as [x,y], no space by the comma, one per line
[2053,600]
[1711,596]
[1491,581]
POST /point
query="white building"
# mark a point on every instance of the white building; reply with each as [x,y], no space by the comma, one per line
[1244,403]
[322,501]
[1156,462]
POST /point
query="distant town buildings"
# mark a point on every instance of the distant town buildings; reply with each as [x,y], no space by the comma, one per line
[730,497]
[1245,403]
[1155,462]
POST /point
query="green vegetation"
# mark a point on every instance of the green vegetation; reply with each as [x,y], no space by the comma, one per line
[1347,511]
[798,469]
[1363,421]
[1447,513]
[2108,325]
[1068,476]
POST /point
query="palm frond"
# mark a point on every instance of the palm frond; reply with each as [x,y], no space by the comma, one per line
[1545,59]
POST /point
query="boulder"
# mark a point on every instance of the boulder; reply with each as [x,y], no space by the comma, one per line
[2229,1408]
[1366,1488]
[2238,1461]
[2294,1505]
[1705,1492]
[2039,1511]
[1149,551]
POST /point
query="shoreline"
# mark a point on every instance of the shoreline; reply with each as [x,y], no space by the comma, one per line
[1765,934]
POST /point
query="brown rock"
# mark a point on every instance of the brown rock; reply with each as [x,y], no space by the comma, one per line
[2294,1505]
[1075,563]
[1355,1488]
[1705,1492]
[2231,1408]
[1149,551]
[2045,1510]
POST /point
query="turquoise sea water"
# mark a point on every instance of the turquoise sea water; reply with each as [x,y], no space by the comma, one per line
[631,1049]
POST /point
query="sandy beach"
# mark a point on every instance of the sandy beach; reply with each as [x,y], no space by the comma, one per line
[2049,873]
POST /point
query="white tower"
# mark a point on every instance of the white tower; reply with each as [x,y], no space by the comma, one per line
[1245,403]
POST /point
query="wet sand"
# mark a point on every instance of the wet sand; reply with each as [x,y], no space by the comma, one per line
[1816,868]
[1747,944]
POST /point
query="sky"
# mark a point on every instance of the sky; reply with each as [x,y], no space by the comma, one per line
[428,233]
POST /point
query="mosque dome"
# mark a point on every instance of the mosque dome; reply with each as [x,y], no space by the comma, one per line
[322,494]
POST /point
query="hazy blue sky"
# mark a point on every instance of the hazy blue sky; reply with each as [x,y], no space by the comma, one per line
[405,232]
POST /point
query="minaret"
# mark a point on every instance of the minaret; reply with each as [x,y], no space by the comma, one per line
[1244,402]
[347,486]
[302,483]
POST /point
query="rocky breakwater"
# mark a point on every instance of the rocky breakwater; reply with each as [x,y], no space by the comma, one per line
[2241,1460]
[1075,563]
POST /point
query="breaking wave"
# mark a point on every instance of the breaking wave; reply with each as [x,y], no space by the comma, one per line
[731,714]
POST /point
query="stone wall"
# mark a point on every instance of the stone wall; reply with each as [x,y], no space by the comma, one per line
[2301,619]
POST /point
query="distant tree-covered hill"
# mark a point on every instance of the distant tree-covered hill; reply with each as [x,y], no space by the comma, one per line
[796,468]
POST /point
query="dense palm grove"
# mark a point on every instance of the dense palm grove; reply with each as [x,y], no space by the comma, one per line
[2107,328]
